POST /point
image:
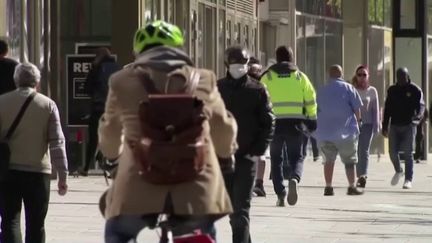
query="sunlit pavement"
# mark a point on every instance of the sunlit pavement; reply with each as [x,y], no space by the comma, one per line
[384,213]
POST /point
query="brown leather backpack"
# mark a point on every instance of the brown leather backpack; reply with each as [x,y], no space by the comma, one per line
[172,148]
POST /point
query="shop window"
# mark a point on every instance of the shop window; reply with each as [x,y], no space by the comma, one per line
[246,36]
[238,33]
[429,67]
[300,43]
[182,19]
[315,7]
[388,13]
[253,42]
[333,8]
[429,17]
[228,33]
[169,10]
[194,37]
[333,43]
[315,50]
[222,37]
[376,12]
[12,26]
[206,37]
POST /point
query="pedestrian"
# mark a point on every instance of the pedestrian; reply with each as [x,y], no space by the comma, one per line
[314,146]
[419,138]
[370,121]
[255,70]
[249,102]
[294,104]
[403,110]
[36,145]
[339,119]
[133,201]
[7,68]
[103,66]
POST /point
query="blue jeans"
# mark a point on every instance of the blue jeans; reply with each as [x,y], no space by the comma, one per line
[401,139]
[294,148]
[364,143]
[123,228]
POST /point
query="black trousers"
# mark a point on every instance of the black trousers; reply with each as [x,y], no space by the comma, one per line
[419,143]
[34,190]
[93,138]
[239,186]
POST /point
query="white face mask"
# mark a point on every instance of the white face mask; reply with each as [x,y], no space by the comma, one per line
[238,70]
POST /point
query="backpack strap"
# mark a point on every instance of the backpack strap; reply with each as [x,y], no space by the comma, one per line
[193,81]
[149,83]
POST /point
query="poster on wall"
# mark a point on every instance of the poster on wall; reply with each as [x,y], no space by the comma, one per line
[78,96]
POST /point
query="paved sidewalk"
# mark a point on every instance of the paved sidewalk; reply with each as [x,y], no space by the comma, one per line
[384,214]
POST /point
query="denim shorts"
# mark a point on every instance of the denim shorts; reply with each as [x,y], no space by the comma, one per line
[347,150]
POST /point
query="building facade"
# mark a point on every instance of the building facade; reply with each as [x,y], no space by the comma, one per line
[45,32]
[322,33]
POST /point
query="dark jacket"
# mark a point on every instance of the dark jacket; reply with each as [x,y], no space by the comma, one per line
[404,105]
[7,69]
[97,82]
[248,101]
[290,125]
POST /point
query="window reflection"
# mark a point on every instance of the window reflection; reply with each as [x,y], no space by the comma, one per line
[333,43]
[315,50]
[300,43]
[13,27]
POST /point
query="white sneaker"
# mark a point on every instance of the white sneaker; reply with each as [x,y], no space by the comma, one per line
[396,177]
[407,184]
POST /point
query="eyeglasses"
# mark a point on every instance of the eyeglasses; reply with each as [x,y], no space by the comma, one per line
[361,74]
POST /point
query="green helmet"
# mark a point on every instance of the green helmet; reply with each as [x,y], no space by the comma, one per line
[157,33]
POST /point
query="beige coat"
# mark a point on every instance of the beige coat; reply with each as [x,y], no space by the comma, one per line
[129,194]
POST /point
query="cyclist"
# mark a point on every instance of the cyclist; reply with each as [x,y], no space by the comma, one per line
[133,203]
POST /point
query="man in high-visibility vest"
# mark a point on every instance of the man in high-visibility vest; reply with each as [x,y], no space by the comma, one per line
[294,104]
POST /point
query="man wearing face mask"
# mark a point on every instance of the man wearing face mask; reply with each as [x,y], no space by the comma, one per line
[294,100]
[249,102]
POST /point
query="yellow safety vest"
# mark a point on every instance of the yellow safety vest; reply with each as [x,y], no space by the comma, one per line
[292,95]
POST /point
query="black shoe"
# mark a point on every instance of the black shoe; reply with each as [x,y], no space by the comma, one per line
[83,173]
[292,192]
[354,191]
[328,191]
[361,182]
[259,190]
[281,200]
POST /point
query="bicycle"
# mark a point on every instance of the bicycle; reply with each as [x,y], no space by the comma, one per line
[166,225]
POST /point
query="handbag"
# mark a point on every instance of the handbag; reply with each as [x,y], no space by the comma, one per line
[4,143]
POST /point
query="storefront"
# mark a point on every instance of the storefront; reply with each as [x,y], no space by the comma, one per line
[25,25]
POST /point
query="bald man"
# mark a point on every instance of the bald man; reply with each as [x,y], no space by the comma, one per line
[403,110]
[338,128]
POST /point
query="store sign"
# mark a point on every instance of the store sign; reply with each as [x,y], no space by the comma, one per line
[78,96]
[90,47]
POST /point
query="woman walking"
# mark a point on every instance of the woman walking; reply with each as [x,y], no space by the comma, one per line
[370,120]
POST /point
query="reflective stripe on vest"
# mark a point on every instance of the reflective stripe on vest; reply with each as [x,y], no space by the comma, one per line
[286,94]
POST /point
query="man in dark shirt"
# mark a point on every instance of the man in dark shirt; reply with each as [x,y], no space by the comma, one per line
[7,69]
[248,100]
[404,108]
